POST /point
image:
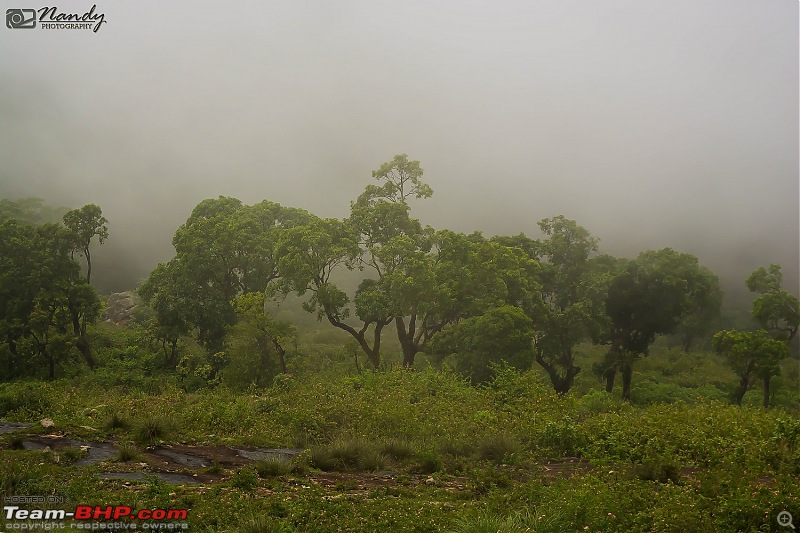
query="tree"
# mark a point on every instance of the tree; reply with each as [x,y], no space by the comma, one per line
[567,315]
[224,249]
[309,257]
[650,297]
[166,292]
[258,342]
[85,224]
[500,335]
[30,211]
[776,310]
[45,304]
[778,313]
[751,354]
[419,279]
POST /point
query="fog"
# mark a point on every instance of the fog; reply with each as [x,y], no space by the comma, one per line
[651,123]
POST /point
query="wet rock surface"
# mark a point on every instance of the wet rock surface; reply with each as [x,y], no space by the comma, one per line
[10,427]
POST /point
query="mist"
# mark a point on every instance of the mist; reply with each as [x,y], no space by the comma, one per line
[651,124]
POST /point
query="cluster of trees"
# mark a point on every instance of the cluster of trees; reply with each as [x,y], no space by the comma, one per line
[480,300]
[460,297]
[755,355]
[46,303]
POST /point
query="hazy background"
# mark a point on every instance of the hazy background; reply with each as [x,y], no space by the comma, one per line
[651,123]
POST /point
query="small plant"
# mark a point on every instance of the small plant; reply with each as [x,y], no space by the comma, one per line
[16,442]
[272,467]
[499,448]
[350,452]
[263,524]
[323,459]
[71,454]
[490,523]
[457,448]
[660,471]
[397,449]
[245,479]
[427,463]
[116,422]
[215,468]
[151,430]
[372,460]
[126,452]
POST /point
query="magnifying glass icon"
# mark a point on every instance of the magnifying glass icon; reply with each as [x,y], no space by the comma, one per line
[785,519]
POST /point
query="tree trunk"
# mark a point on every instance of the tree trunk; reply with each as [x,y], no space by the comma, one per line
[610,374]
[12,356]
[406,338]
[627,376]
[741,390]
[766,391]
[561,384]
[81,342]
[83,346]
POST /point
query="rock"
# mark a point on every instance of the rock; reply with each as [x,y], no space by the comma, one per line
[120,307]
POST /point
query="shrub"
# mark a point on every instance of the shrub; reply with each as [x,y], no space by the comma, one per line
[263,524]
[427,463]
[397,449]
[126,452]
[26,399]
[244,479]
[116,422]
[563,438]
[273,466]
[499,448]
[151,430]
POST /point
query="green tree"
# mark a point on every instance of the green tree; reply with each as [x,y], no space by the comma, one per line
[702,320]
[650,297]
[567,315]
[500,335]
[224,249]
[46,304]
[310,255]
[751,354]
[85,224]
[30,211]
[166,293]
[776,310]
[258,342]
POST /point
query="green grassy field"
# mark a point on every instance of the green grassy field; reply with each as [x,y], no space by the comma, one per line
[421,450]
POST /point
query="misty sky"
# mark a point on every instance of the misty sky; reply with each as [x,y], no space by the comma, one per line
[651,123]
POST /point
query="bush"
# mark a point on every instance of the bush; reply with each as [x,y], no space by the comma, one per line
[427,463]
[563,438]
[499,448]
[126,452]
[272,467]
[263,524]
[244,479]
[397,449]
[151,430]
[26,400]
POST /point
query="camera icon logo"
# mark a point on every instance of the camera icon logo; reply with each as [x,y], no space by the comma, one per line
[20,18]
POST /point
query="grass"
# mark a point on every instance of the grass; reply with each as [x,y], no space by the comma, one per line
[273,467]
[126,452]
[485,449]
[499,448]
[151,430]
